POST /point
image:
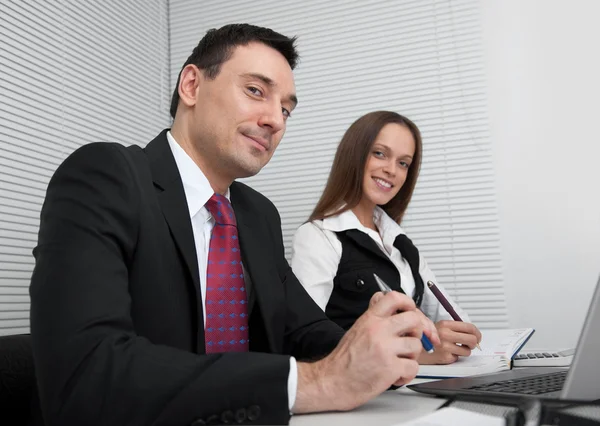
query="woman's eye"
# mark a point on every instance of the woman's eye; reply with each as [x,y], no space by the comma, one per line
[378,154]
[404,164]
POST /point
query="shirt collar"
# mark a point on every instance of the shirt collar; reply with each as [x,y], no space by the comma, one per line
[388,228]
[342,222]
[195,184]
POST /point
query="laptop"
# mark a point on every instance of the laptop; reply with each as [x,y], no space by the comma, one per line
[579,382]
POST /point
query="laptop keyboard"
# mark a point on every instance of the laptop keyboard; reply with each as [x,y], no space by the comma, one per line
[534,385]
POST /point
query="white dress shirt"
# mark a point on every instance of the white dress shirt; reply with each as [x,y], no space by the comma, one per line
[316,254]
[197,192]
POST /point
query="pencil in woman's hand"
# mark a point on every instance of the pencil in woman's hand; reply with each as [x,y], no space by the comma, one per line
[444,302]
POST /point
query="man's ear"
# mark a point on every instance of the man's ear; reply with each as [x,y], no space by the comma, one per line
[188,84]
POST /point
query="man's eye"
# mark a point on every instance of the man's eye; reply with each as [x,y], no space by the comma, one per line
[255,91]
[286,112]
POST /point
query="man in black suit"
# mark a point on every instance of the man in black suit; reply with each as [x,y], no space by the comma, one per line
[122,282]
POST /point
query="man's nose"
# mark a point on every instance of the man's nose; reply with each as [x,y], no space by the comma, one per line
[272,117]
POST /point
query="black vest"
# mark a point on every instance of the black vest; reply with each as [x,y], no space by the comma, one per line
[354,284]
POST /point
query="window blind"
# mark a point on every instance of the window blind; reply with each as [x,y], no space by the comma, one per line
[70,73]
[421,58]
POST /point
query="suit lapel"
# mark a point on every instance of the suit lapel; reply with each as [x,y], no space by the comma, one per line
[173,203]
[256,262]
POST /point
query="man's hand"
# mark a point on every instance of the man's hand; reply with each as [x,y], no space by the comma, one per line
[381,349]
[457,339]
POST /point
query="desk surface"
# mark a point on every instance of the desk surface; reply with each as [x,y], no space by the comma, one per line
[389,408]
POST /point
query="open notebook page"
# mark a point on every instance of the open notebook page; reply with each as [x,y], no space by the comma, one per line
[497,349]
[502,342]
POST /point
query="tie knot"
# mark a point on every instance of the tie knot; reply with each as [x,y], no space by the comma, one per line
[221,210]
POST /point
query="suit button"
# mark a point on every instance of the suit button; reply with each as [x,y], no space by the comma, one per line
[360,283]
[253,412]
[212,420]
[240,415]
[227,417]
[198,422]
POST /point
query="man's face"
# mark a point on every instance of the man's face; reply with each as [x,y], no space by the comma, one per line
[240,116]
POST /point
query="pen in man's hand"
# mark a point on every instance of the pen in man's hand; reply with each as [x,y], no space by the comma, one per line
[445,303]
[427,345]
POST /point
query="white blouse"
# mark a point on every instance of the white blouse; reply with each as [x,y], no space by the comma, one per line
[316,253]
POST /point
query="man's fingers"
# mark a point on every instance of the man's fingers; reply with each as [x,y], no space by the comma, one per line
[376,298]
[406,347]
[406,370]
[406,324]
[391,303]
[430,330]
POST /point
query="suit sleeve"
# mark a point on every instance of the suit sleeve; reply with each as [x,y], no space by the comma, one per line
[309,334]
[91,367]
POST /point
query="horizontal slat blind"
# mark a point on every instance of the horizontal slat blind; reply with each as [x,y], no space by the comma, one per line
[421,58]
[70,73]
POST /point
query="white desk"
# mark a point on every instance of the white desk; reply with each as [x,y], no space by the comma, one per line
[389,408]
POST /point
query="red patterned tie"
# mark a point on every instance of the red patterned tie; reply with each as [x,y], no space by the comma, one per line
[226,310]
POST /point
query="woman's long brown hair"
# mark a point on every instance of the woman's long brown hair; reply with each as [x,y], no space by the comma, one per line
[344,185]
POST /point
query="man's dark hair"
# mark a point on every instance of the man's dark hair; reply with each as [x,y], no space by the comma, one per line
[217,46]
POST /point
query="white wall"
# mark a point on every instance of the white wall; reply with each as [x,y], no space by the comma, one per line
[544,86]
[543,80]
[420,58]
[71,73]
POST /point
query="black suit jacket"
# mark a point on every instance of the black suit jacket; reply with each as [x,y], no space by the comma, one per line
[116,313]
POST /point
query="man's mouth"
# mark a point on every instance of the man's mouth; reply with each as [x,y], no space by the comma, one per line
[261,143]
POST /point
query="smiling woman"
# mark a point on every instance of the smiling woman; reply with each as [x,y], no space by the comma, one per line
[354,232]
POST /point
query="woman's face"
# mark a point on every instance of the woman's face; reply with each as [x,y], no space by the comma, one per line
[387,164]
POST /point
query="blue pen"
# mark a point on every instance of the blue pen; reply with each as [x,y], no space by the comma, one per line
[386,289]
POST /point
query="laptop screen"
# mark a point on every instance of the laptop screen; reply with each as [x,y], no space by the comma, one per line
[584,374]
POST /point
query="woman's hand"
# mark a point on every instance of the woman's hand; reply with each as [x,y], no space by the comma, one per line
[456,339]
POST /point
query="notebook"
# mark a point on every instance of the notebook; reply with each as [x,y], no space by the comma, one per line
[579,382]
[498,347]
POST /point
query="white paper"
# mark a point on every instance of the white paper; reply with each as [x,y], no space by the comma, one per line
[450,416]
